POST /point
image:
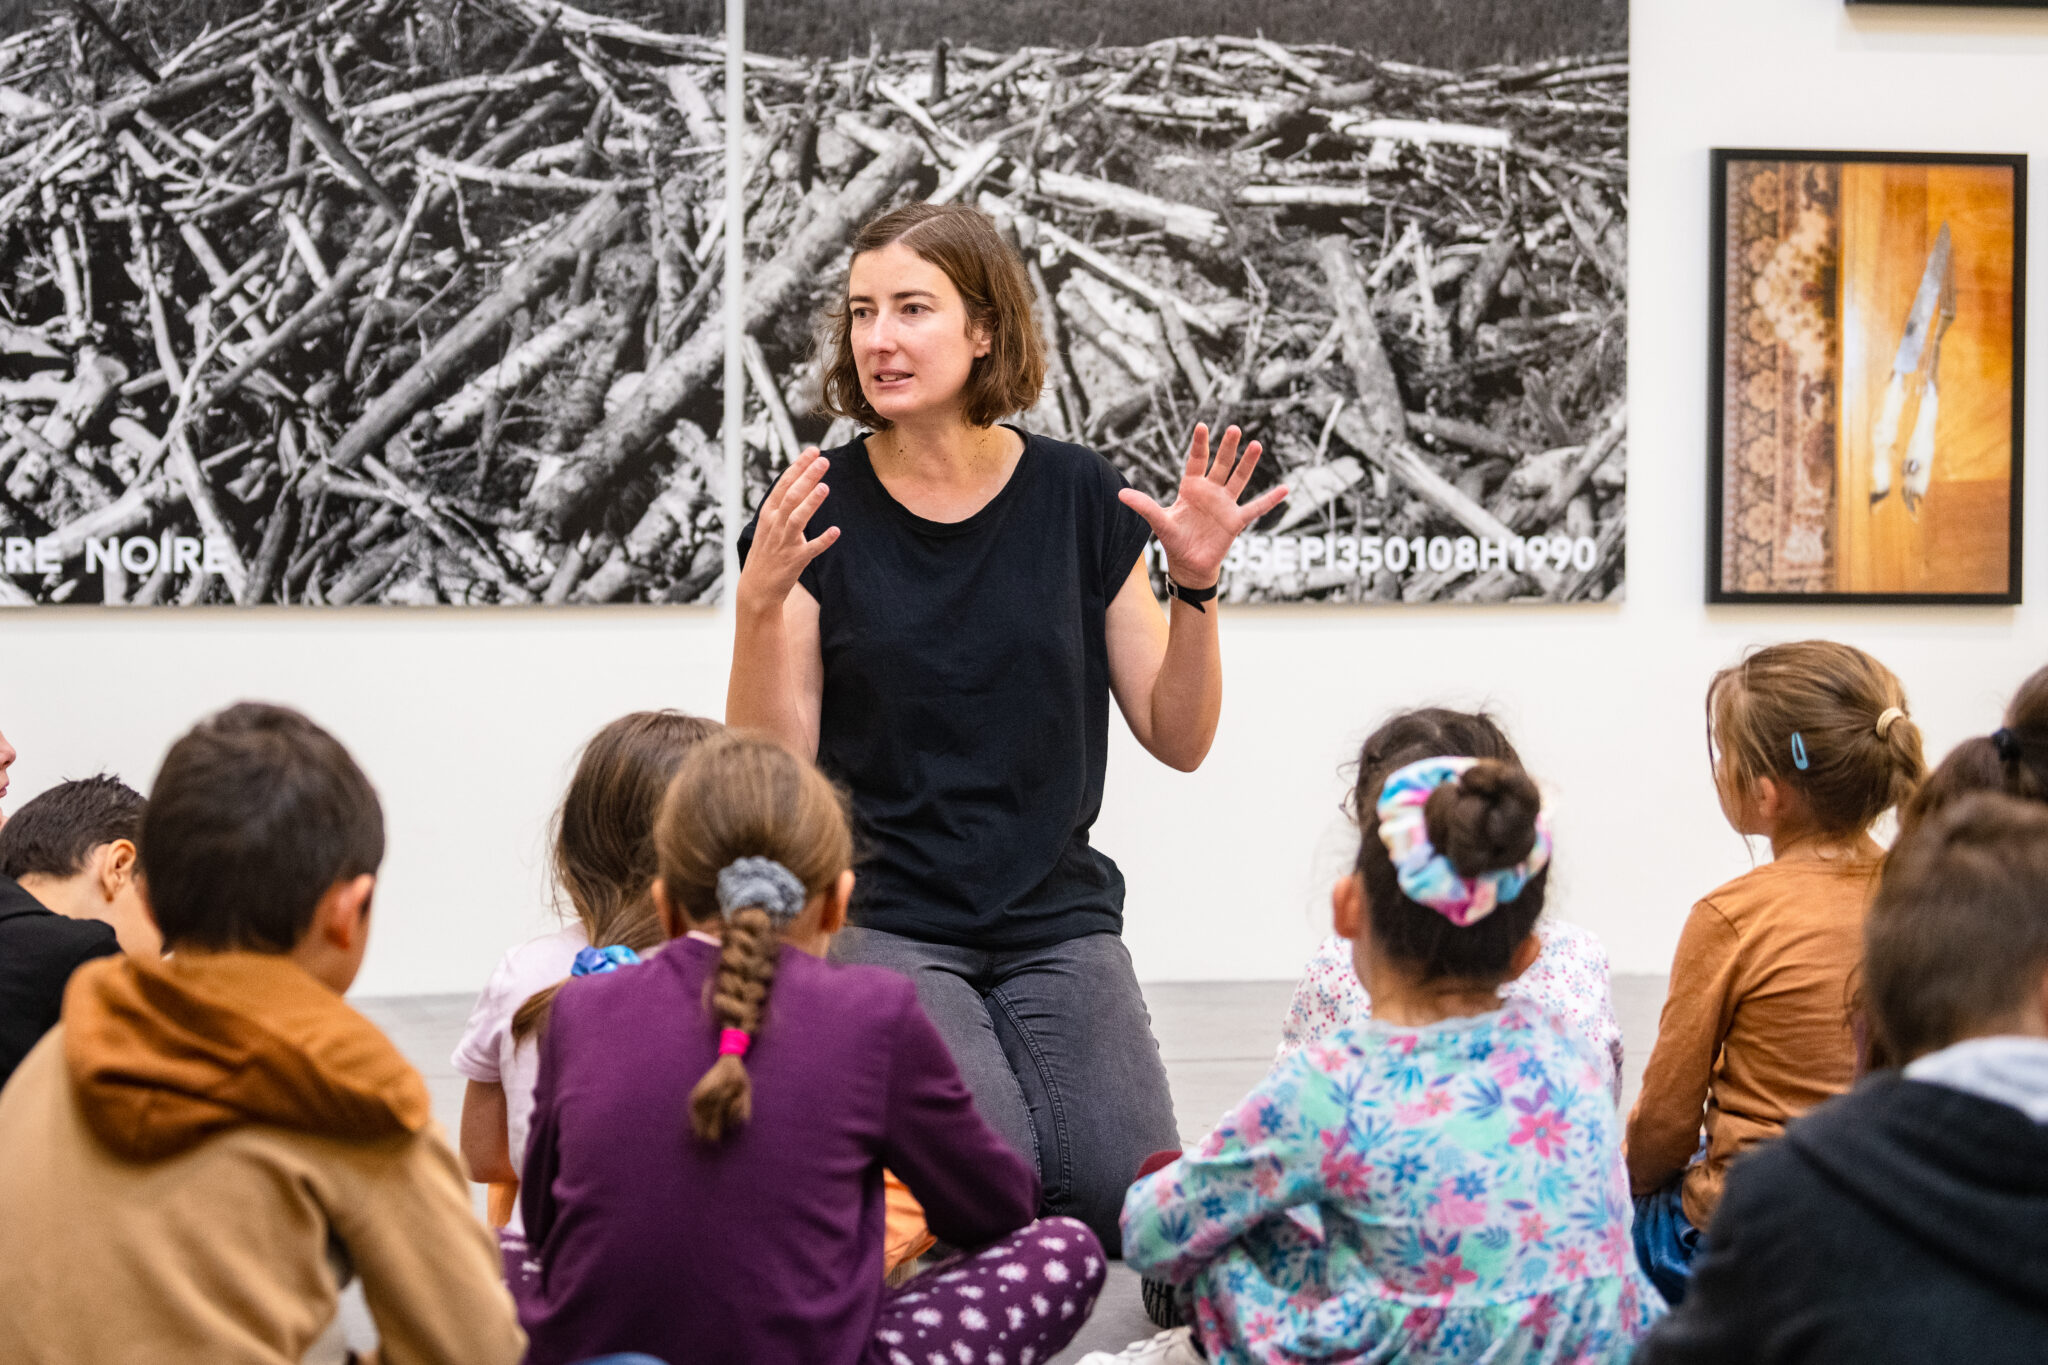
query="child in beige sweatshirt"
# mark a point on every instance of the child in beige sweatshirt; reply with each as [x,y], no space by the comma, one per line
[206,1145]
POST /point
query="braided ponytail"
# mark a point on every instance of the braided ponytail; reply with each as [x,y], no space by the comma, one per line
[741,805]
[748,952]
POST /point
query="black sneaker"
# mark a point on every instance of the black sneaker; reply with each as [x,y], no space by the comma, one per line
[1162,1303]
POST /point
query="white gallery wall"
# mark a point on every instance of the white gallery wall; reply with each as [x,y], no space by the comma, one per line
[468,720]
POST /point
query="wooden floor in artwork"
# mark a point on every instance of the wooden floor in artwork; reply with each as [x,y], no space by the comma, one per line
[1959,539]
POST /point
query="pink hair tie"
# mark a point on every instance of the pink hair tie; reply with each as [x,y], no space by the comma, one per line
[733,1042]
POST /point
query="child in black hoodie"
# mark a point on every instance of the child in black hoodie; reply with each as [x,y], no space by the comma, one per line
[1907,1221]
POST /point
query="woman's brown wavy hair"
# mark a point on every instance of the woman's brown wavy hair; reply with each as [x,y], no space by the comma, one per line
[964,243]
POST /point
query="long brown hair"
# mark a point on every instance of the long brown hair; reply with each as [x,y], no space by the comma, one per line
[1829,707]
[742,797]
[604,836]
[963,242]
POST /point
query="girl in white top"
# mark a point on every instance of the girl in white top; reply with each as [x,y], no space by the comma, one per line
[1569,981]
[604,864]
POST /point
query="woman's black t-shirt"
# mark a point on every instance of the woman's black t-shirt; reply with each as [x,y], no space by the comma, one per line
[966,700]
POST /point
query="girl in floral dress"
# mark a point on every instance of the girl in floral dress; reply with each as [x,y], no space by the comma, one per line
[1440,1182]
[1569,980]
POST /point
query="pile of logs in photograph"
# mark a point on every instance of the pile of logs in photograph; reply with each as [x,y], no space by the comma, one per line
[370,304]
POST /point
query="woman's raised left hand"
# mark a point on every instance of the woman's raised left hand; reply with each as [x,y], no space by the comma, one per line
[1198,530]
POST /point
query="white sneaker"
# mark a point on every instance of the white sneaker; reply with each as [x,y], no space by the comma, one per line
[1168,1348]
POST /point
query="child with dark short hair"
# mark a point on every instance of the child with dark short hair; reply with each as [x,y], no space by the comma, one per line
[67,895]
[207,1143]
[1439,1182]
[1811,743]
[1908,1220]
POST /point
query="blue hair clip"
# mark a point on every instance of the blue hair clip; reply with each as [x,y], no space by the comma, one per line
[1798,751]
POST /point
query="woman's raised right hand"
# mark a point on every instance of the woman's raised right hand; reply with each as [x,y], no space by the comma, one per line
[780,549]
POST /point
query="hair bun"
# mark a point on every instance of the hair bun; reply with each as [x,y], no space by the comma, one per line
[1486,820]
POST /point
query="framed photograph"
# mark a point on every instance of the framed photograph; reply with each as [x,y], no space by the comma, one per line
[1864,425]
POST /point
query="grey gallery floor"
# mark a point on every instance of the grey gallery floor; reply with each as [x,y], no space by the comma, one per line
[1218,1039]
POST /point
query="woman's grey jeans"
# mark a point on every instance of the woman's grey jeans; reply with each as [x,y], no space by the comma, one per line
[1056,1047]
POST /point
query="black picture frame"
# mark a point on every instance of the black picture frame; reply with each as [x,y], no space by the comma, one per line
[1721,160]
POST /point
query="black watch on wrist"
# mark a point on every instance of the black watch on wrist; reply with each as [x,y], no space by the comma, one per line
[1194,597]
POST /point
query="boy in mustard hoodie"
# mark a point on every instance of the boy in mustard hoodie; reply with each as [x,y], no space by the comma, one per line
[202,1146]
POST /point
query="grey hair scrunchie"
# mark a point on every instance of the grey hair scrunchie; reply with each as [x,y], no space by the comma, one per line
[764,884]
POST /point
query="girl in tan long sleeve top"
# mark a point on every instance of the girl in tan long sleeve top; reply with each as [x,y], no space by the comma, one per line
[1812,745]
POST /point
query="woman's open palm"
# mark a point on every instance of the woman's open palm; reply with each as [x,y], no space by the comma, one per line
[1205,519]
[781,550]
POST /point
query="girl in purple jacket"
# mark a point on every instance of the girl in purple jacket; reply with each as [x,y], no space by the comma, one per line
[703,1179]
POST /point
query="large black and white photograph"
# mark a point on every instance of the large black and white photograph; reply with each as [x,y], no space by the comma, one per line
[319,305]
[1387,240]
[381,302]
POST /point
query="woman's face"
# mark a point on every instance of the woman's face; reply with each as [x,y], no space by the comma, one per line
[7,757]
[912,340]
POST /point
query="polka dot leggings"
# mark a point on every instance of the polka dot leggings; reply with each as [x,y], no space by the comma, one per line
[1016,1302]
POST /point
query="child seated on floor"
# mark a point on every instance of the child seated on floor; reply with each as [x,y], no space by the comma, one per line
[1908,1220]
[1569,979]
[67,895]
[2012,759]
[1811,744]
[604,865]
[208,1142]
[1440,1181]
[703,1179]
